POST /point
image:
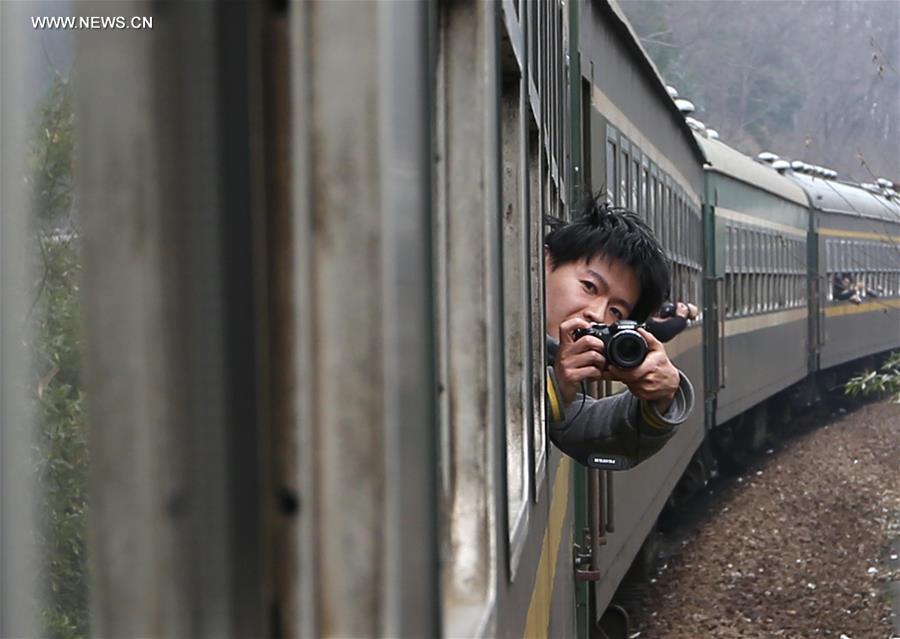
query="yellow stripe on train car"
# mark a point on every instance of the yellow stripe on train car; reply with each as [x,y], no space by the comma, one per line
[846,308]
[537,623]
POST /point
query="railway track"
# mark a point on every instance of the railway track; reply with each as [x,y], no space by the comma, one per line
[802,543]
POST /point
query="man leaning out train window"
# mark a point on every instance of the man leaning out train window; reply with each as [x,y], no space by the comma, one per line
[602,268]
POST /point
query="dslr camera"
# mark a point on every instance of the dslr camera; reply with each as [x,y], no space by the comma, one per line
[623,345]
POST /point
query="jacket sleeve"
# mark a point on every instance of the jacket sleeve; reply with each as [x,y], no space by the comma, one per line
[621,425]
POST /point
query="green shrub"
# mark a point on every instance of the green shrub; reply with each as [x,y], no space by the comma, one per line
[61,452]
[886,380]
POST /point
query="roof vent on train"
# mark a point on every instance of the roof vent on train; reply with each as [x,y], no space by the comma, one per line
[781,165]
[884,183]
[672,91]
[696,125]
[712,134]
[797,166]
[872,188]
[767,157]
[685,106]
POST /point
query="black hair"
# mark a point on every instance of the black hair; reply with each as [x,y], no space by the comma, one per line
[601,229]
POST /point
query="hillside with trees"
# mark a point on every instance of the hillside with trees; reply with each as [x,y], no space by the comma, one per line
[815,80]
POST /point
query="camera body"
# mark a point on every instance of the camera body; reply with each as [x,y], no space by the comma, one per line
[623,345]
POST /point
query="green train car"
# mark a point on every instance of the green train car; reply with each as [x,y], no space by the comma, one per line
[314,324]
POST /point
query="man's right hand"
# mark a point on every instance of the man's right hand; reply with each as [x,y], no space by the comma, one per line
[577,360]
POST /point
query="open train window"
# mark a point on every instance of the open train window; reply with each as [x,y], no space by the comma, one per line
[746,295]
[662,233]
[624,171]
[539,431]
[634,200]
[517,285]
[645,190]
[612,160]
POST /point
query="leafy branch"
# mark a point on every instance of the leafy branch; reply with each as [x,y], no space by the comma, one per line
[886,380]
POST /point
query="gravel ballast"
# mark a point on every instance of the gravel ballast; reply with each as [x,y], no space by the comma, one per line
[802,544]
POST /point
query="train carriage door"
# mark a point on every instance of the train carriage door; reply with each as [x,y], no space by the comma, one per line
[713,300]
[816,274]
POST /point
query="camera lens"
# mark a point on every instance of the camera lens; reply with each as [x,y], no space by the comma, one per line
[627,349]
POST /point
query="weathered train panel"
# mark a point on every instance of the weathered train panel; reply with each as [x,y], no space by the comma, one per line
[763,356]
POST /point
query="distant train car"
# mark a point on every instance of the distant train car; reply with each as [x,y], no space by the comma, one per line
[855,269]
[761,227]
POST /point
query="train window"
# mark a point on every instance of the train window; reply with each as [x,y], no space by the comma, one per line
[659,206]
[44,434]
[760,271]
[645,193]
[666,221]
[611,161]
[782,273]
[728,284]
[624,173]
[770,277]
[636,204]
[746,293]
[516,284]
[679,226]
[651,202]
[539,431]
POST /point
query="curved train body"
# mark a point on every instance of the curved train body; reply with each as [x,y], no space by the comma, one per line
[333,306]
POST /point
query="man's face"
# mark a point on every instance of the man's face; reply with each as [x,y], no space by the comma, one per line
[600,290]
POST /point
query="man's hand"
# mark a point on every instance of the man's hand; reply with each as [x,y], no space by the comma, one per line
[655,380]
[577,360]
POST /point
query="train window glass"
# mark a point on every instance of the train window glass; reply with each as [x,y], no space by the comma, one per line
[538,436]
[751,272]
[667,217]
[624,174]
[658,213]
[745,271]
[727,256]
[782,274]
[664,214]
[735,268]
[763,270]
[516,285]
[679,226]
[645,194]
[611,162]
[760,269]
[651,202]
[786,268]
[747,247]
[770,278]
[735,271]
[44,430]
[636,184]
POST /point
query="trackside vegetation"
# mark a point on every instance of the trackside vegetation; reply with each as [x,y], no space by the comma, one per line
[58,403]
[884,381]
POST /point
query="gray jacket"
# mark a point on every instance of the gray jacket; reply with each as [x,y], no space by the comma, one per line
[614,432]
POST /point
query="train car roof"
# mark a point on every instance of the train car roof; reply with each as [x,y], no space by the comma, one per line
[723,159]
[620,22]
[832,196]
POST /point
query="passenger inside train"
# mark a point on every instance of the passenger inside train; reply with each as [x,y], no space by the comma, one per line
[605,274]
[845,289]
